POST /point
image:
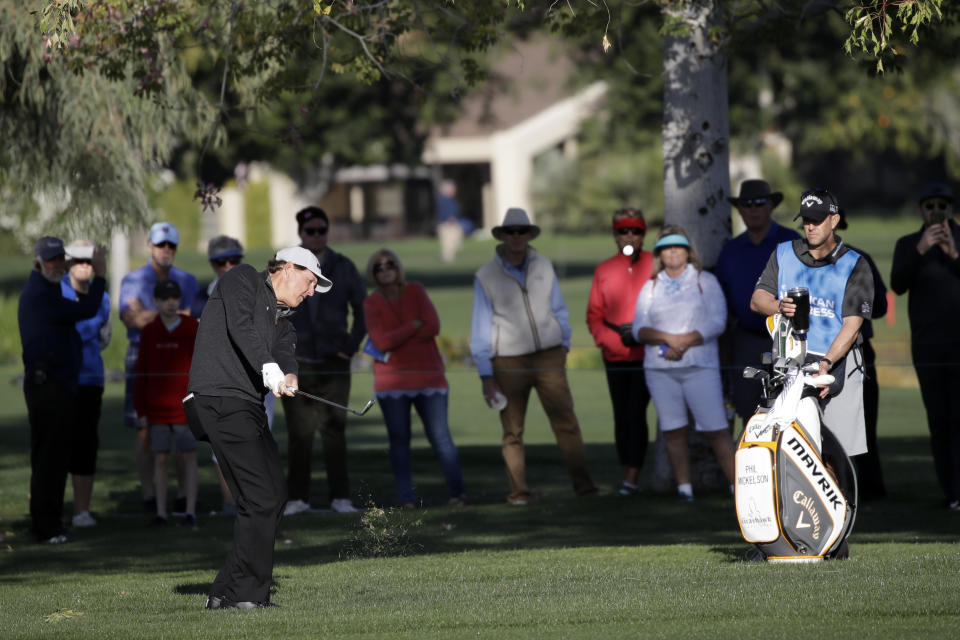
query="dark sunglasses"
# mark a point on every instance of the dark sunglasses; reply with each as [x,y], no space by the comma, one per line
[383,266]
[637,231]
[166,244]
[515,231]
[754,202]
[930,205]
[81,261]
[222,262]
[315,231]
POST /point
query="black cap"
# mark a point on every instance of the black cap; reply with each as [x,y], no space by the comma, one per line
[936,190]
[817,204]
[49,248]
[166,289]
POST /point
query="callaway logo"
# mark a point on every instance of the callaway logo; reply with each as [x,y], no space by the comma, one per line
[810,200]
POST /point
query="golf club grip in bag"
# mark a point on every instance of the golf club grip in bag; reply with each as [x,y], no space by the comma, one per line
[793,503]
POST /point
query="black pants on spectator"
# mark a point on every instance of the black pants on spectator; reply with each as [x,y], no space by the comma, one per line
[250,462]
[870,484]
[331,380]
[50,411]
[938,371]
[630,397]
[84,436]
[748,347]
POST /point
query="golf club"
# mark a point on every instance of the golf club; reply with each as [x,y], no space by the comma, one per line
[366,407]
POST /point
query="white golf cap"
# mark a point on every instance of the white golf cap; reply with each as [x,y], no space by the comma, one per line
[306,259]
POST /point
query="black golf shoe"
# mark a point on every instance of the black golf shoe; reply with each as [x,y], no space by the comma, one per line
[218,602]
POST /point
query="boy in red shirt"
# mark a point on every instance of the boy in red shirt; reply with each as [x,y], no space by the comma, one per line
[163,368]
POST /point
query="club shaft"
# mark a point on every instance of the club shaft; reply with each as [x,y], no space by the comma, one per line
[332,403]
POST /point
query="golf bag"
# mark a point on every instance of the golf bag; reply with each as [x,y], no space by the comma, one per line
[796,490]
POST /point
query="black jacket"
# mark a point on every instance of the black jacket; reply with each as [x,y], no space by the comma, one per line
[933,281]
[321,323]
[242,329]
[52,348]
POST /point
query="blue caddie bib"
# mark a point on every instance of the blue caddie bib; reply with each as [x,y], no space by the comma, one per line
[826,285]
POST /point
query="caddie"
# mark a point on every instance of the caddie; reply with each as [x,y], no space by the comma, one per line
[840,285]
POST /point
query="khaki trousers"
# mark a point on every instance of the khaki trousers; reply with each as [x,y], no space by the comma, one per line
[544,371]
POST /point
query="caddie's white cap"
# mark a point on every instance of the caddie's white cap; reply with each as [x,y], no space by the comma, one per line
[306,259]
[79,250]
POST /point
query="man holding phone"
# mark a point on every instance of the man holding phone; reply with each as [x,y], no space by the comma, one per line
[926,264]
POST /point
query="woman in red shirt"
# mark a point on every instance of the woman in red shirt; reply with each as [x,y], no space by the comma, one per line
[403,325]
[613,299]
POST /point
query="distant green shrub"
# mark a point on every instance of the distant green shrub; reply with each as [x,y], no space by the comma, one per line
[257,209]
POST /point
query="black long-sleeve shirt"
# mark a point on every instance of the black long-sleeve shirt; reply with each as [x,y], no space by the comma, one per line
[933,280]
[242,329]
[51,345]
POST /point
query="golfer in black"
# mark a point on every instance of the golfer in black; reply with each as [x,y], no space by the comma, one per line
[245,346]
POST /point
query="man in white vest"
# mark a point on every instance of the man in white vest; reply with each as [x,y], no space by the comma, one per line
[520,336]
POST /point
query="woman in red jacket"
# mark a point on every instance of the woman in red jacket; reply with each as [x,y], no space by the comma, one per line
[613,298]
[403,325]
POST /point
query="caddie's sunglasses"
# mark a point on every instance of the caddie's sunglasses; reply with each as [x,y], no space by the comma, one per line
[637,231]
[222,262]
[930,205]
[166,244]
[315,231]
[753,202]
[516,231]
[383,266]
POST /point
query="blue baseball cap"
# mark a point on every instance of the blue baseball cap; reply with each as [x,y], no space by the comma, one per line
[164,232]
[49,248]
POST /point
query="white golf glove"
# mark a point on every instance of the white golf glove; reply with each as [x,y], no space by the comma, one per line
[272,377]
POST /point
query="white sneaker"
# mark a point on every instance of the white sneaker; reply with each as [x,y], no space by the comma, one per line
[343,505]
[294,507]
[84,519]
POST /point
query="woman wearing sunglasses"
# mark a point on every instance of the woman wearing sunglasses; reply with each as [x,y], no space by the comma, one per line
[403,323]
[679,316]
[613,296]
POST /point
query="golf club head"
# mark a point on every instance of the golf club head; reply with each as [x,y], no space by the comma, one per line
[366,407]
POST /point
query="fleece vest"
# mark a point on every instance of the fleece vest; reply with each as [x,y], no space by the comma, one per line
[523,321]
[826,285]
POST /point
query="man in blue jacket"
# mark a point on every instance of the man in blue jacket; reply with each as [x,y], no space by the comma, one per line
[52,355]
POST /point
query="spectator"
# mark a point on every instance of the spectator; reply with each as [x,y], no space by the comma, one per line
[324,349]
[163,367]
[95,334]
[679,316]
[224,253]
[870,485]
[520,336]
[613,295]
[404,323]
[926,264]
[52,357]
[840,286]
[245,344]
[449,226]
[739,265]
[137,311]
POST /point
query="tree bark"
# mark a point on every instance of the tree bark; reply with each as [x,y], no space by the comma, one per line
[696,131]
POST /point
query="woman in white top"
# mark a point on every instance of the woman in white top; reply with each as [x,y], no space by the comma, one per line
[680,314]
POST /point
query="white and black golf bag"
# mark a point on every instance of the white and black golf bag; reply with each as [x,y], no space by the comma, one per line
[796,490]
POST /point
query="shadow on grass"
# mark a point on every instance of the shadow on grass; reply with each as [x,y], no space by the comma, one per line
[123,543]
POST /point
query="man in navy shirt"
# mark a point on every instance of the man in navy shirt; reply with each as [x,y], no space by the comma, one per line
[52,355]
[740,264]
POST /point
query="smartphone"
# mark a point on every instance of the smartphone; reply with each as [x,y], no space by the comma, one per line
[938,216]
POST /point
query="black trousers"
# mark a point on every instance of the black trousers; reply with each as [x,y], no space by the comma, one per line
[250,462]
[630,397]
[869,472]
[329,379]
[938,371]
[50,411]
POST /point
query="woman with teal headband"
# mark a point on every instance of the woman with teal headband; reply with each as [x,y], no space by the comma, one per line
[679,316]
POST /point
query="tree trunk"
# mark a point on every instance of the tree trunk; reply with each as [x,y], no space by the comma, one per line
[696,131]
[696,177]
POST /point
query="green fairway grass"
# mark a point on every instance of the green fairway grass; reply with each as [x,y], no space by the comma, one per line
[605,567]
